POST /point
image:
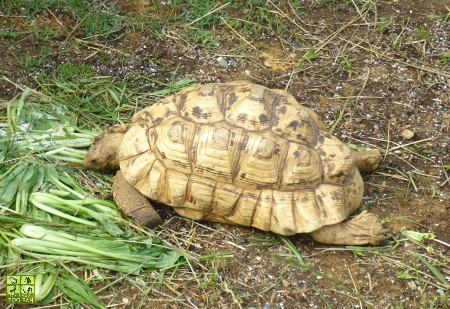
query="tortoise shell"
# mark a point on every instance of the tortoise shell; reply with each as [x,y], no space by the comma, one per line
[240,153]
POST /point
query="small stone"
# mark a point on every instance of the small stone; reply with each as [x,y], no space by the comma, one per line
[412,285]
[285,283]
[222,62]
[407,134]
[267,64]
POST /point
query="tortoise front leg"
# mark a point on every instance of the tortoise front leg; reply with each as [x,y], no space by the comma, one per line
[133,203]
[361,230]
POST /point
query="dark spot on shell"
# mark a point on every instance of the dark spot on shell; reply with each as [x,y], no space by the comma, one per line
[243,175]
[294,124]
[158,120]
[331,168]
[319,198]
[263,118]
[288,231]
[278,130]
[250,195]
[170,112]
[321,139]
[232,98]
[183,101]
[242,116]
[305,199]
[186,114]
[340,174]
[197,110]
[163,155]
[191,199]
[282,110]
[332,155]
[277,151]
[321,152]
[296,154]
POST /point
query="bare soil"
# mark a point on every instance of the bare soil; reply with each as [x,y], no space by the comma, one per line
[393,81]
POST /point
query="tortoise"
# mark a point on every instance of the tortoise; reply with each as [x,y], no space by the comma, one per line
[240,154]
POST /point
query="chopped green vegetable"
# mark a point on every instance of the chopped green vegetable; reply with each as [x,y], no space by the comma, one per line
[97,251]
[417,236]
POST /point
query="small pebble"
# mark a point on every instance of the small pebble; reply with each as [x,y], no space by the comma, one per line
[407,134]
[222,62]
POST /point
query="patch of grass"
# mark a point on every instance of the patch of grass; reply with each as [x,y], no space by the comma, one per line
[31,62]
[397,41]
[445,58]
[30,7]
[445,18]
[259,18]
[93,17]
[199,13]
[327,2]
[346,64]
[201,38]
[71,72]
[423,34]
[384,23]
[96,19]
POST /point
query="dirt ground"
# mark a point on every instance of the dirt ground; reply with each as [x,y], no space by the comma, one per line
[394,82]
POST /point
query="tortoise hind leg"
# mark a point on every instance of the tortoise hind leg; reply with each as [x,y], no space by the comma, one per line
[133,204]
[361,230]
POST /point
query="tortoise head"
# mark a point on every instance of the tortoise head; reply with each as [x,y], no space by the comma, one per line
[367,161]
[104,154]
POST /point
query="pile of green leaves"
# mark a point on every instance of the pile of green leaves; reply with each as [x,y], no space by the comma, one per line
[47,221]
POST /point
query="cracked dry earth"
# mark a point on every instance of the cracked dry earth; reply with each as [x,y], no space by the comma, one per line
[395,92]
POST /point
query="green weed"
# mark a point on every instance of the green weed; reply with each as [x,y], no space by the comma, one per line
[199,13]
[423,34]
[29,7]
[346,64]
[445,58]
[445,17]
[384,23]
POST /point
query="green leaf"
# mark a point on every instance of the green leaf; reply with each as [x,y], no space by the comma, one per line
[70,181]
[9,184]
[4,146]
[433,270]
[79,291]
[405,275]
[110,246]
